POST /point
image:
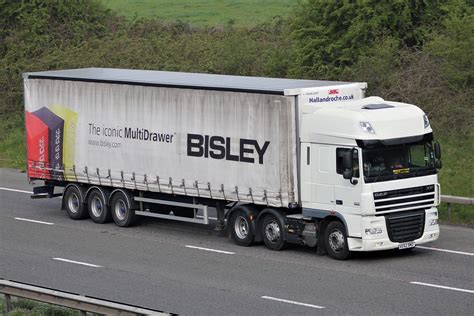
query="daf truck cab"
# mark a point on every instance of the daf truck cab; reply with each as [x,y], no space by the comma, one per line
[370,164]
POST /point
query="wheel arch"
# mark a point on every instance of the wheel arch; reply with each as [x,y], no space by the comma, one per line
[128,197]
[249,208]
[253,213]
[278,213]
[103,191]
[325,217]
[337,217]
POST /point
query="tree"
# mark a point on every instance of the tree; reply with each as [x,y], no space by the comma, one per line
[331,35]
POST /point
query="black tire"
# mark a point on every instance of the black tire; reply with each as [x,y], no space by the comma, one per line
[122,214]
[74,203]
[99,211]
[241,229]
[335,240]
[273,233]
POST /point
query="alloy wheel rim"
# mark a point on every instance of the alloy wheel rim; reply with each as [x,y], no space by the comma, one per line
[120,210]
[336,241]
[73,203]
[241,227]
[96,207]
[272,231]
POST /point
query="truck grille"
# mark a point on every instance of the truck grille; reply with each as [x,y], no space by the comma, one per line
[405,226]
[405,199]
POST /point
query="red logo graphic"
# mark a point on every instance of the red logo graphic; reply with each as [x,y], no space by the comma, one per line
[334,91]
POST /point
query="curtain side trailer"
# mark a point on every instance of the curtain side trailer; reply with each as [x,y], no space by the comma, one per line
[281,160]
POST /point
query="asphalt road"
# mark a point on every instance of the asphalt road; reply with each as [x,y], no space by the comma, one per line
[157,265]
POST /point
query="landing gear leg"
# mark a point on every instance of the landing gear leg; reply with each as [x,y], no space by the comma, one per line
[220,226]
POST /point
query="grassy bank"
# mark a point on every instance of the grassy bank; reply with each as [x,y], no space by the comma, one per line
[203,12]
[455,176]
[12,142]
[21,307]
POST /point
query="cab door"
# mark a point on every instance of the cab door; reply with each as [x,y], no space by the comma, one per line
[317,176]
[347,195]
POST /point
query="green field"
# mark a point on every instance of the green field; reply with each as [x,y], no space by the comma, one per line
[204,12]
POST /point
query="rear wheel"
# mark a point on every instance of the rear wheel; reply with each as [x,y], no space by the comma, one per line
[273,232]
[240,228]
[99,211]
[122,214]
[335,240]
[74,203]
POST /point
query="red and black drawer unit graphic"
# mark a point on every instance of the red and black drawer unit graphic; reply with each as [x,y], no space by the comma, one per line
[45,133]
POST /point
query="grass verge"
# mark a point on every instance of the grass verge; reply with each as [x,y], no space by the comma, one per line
[21,307]
[456,177]
[12,142]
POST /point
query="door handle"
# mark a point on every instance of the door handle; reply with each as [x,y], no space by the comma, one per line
[339,202]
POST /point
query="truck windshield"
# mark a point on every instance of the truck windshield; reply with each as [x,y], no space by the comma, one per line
[397,162]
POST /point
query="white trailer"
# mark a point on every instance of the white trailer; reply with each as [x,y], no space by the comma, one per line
[282,160]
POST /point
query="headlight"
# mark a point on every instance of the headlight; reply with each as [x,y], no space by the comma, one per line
[426,121]
[433,222]
[373,231]
[367,127]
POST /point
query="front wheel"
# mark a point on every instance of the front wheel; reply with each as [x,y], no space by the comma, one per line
[335,240]
[122,214]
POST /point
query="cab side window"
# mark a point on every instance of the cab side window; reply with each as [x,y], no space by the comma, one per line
[339,161]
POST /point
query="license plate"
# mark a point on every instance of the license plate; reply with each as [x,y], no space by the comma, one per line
[406,245]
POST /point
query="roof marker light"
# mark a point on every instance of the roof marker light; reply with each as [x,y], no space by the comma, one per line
[367,127]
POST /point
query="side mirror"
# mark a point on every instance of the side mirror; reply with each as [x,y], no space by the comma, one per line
[438,164]
[437,150]
[347,174]
[347,160]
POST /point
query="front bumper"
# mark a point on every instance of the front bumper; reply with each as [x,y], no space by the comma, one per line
[382,241]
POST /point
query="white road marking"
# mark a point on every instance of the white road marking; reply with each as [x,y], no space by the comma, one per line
[15,190]
[78,262]
[212,250]
[33,221]
[291,302]
[446,250]
[443,287]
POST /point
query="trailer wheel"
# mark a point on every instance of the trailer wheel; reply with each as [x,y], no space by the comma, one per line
[335,240]
[240,228]
[74,203]
[122,214]
[273,232]
[99,211]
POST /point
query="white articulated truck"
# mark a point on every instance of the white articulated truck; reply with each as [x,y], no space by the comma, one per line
[282,160]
